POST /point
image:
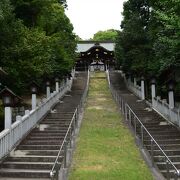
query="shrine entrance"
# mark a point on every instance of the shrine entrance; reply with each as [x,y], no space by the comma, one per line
[95,58]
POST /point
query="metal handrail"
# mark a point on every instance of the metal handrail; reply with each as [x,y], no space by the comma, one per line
[168,161]
[167,158]
[64,141]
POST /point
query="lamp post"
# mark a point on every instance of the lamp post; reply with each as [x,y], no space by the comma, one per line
[48,90]
[171,93]
[33,88]
[8,102]
[57,84]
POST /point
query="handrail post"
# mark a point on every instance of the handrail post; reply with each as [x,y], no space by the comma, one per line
[126,112]
[70,137]
[176,175]
[167,168]
[74,125]
[65,154]
[129,117]
[142,136]
[135,126]
[152,152]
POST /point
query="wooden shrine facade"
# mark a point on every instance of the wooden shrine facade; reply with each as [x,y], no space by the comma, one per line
[95,54]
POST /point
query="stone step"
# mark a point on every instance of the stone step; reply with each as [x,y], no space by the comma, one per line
[42,138]
[175,158]
[165,132]
[165,147]
[167,152]
[63,128]
[163,165]
[62,119]
[32,158]
[49,131]
[54,123]
[171,174]
[160,128]
[162,137]
[162,142]
[28,165]
[41,142]
[36,152]
[56,116]
[24,173]
[47,135]
[39,147]
[59,124]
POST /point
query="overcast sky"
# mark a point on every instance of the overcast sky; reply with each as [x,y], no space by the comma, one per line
[90,16]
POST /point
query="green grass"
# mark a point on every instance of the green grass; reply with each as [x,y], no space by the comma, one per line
[106,148]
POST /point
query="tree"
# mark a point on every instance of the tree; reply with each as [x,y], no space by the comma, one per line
[150,39]
[133,42]
[167,43]
[35,42]
[110,34]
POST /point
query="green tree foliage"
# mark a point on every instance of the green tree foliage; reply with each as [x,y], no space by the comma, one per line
[150,39]
[167,43]
[133,46]
[36,39]
[110,34]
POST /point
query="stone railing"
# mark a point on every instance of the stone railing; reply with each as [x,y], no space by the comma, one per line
[135,89]
[170,114]
[131,87]
[9,138]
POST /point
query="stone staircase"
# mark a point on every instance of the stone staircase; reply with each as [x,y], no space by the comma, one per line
[167,135]
[34,156]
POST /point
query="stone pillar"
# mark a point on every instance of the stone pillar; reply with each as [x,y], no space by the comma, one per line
[171,94]
[57,86]
[8,117]
[142,88]
[171,99]
[153,88]
[135,82]
[48,90]
[34,101]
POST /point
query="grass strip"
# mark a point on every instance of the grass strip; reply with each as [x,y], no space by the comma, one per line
[105,147]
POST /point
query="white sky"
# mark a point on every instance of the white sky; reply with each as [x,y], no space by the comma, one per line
[90,16]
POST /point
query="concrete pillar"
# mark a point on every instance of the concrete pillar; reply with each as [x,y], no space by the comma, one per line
[48,91]
[135,82]
[142,89]
[153,88]
[153,91]
[57,86]
[34,101]
[171,99]
[8,117]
